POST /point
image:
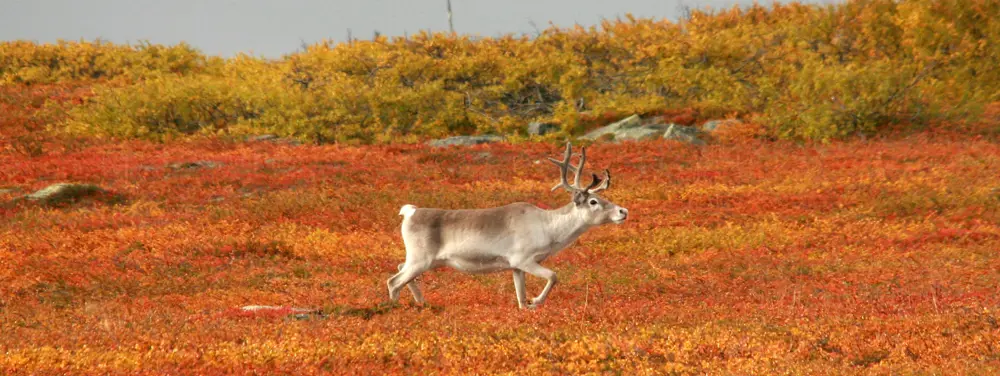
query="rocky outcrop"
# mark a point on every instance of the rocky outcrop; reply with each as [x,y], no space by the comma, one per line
[68,193]
[685,134]
[540,129]
[634,128]
[614,129]
[464,141]
[638,134]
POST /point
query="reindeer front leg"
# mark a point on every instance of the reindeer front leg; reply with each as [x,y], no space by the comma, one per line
[541,272]
[519,288]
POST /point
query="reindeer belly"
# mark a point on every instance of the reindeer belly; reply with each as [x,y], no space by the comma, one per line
[474,253]
[478,264]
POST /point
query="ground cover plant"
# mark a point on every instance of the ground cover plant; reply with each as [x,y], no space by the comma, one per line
[801,71]
[848,225]
[757,257]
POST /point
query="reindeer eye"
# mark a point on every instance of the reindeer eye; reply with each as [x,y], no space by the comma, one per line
[593,202]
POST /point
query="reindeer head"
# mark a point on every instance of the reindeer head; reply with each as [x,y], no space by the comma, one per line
[593,208]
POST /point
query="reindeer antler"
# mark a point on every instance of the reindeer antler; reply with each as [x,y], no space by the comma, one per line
[565,166]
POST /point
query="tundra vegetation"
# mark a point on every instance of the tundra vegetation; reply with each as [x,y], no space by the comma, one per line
[849,223]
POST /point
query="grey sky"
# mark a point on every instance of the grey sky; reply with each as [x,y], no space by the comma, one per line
[272,28]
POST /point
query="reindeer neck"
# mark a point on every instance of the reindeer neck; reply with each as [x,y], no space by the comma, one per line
[565,224]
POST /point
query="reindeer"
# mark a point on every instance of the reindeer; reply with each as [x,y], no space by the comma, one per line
[514,237]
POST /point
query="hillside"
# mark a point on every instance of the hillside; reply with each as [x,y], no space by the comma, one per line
[800,72]
[847,224]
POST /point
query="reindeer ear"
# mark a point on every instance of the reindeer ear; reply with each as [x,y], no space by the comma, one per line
[604,183]
[580,197]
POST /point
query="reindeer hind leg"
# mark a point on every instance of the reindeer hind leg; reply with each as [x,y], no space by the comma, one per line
[406,276]
[418,296]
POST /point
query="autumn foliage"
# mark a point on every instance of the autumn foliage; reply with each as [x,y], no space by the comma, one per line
[804,71]
[758,258]
[787,245]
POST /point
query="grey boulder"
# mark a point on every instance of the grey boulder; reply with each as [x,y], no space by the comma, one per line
[464,140]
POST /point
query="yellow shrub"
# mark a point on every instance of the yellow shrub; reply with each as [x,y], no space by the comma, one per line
[814,72]
[23,62]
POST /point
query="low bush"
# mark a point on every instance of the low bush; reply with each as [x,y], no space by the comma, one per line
[803,71]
